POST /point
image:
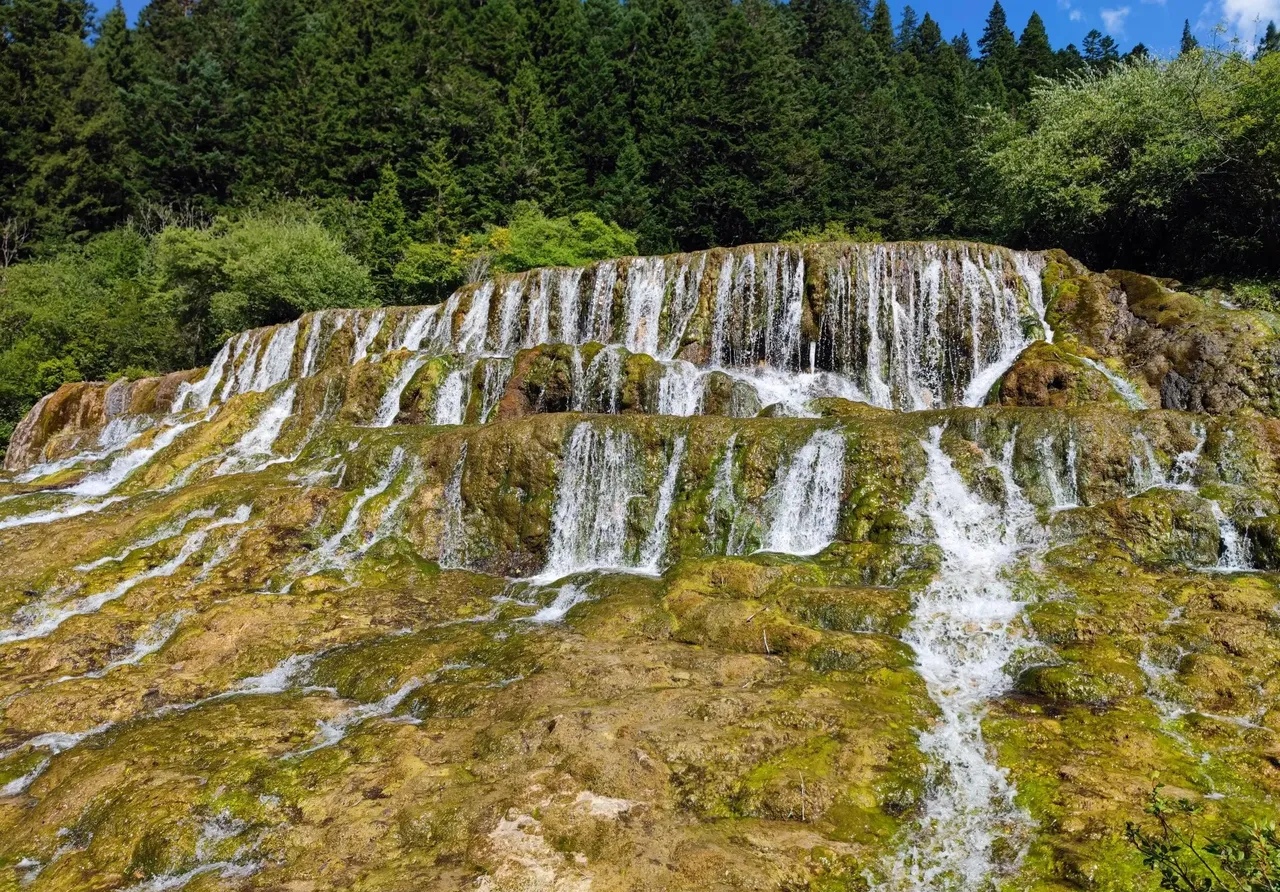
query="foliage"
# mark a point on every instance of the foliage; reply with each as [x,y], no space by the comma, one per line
[832,231]
[127,303]
[427,270]
[258,271]
[1147,164]
[1247,859]
[83,314]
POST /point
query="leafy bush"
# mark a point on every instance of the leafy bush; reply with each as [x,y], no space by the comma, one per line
[428,270]
[257,271]
[1173,165]
[1247,859]
[126,304]
[831,231]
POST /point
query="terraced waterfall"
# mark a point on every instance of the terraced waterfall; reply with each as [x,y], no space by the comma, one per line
[835,566]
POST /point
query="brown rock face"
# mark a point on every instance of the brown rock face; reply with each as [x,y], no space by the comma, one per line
[60,422]
[1046,377]
[1199,357]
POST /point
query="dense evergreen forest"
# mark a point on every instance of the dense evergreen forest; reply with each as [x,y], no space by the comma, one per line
[228,163]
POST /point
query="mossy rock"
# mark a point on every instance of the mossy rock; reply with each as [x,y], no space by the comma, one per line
[1046,376]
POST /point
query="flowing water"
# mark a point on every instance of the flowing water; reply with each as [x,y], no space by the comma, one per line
[966,626]
[806,498]
[43,619]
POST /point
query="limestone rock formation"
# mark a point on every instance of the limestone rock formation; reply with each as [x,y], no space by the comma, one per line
[825,567]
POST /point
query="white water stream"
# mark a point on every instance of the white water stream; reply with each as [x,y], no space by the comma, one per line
[966,627]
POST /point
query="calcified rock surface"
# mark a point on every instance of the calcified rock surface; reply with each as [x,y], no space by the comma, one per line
[834,567]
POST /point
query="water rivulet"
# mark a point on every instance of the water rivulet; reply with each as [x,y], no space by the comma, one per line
[835,566]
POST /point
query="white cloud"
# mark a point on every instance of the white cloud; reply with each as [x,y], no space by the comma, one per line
[1113,19]
[1247,16]
[1076,15]
[1156,2]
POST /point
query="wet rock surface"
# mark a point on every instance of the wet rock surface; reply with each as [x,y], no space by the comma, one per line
[640,577]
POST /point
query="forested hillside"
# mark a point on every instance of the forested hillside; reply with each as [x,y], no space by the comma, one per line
[161,185]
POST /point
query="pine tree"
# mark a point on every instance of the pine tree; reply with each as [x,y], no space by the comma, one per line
[1100,50]
[385,227]
[908,31]
[1189,42]
[998,55]
[439,194]
[1270,42]
[1034,53]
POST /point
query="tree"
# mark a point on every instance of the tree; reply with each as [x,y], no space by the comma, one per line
[1270,42]
[386,227]
[1246,858]
[998,51]
[1189,42]
[1035,55]
[1100,50]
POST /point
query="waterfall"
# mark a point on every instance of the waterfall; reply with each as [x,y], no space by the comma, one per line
[496,374]
[199,395]
[450,398]
[1062,487]
[538,329]
[103,482]
[602,383]
[1121,386]
[568,597]
[40,620]
[389,406]
[646,285]
[568,294]
[598,480]
[722,504]
[599,325]
[655,549]
[1144,468]
[509,317]
[249,450]
[806,498]
[1234,554]
[965,628]
[365,333]
[684,302]
[475,324]
[453,541]
[680,389]
[418,329]
[277,359]
[334,552]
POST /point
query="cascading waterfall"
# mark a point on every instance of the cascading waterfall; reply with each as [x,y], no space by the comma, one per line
[598,480]
[1147,473]
[965,628]
[450,405]
[806,498]
[1124,388]
[655,549]
[453,542]
[253,450]
[600,477]
[366,331]
[43,619]
[389,406]
[723,508]
[336,552]
[1063,488]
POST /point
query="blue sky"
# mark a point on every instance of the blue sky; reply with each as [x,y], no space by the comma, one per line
[1157,23]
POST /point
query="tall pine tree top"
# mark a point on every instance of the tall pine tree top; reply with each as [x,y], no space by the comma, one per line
[1034,51]
[997,48]
[1189,41]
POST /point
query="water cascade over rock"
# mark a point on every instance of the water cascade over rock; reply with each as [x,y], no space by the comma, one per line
[836,566]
